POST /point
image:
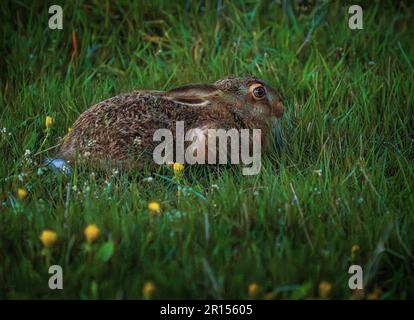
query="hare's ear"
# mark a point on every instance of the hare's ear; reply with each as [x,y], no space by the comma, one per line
[196,95]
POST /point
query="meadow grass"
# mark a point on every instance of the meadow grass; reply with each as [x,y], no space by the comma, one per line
[343,180]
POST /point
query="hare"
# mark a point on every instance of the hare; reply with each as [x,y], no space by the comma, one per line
[118,132]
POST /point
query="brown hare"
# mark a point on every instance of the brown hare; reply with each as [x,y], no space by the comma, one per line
[118,132]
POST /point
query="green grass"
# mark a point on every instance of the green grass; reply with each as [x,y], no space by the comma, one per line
[344,177]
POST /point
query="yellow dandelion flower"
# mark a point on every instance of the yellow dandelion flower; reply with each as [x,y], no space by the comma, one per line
[70,130]
[154,208]
[325,289]
[91,233]
[48,122]
[48,238]
[21,194]
[148,290]
[355,248]
[253,289]
[178,167]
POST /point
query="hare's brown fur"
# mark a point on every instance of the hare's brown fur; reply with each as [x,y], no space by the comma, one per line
[118,132]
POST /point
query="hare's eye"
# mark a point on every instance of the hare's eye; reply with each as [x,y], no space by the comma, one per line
[259,92]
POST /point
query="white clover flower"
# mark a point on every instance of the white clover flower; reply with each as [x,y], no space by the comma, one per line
[90,143]
[137,141]
[4,131]
[318,172]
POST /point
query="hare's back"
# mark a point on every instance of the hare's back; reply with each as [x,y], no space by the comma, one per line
[116,126]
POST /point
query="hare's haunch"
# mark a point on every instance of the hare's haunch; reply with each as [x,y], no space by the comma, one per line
[118,132]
